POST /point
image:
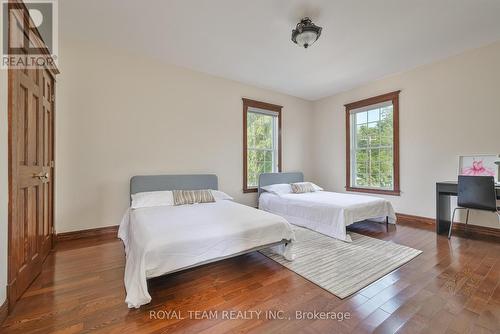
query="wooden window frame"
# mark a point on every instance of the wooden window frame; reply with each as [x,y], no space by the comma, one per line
[394,98]
[265,106]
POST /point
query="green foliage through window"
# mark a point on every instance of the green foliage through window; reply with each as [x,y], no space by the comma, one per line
[372,148]
[261,146]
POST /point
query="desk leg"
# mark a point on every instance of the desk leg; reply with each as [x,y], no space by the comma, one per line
[443,217]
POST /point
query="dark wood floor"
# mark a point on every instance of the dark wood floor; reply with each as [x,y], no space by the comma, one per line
[453,287]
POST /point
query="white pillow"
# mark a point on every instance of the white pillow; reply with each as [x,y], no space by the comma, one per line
[278,189]
[220,195]
[152,198]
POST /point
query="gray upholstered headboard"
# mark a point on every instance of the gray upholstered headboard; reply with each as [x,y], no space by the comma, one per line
[267,179]
[142,183]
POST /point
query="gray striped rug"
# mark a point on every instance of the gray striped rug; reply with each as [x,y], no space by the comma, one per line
[343,268]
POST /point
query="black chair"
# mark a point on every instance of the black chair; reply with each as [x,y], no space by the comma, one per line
[477,193]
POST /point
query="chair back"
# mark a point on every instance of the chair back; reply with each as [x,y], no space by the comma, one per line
[477,192]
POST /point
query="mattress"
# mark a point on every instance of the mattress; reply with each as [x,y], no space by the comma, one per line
[327,212]
[164,239]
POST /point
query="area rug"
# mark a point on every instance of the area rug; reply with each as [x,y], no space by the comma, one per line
[340,267]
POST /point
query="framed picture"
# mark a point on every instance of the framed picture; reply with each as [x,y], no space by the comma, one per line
[479,165]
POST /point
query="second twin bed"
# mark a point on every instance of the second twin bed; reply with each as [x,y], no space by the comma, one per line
[322,211]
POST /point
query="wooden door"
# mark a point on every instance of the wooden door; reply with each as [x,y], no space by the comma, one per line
[31,105]
[48,94]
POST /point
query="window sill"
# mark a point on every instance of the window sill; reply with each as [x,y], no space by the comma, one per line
[374,191]
[249,190]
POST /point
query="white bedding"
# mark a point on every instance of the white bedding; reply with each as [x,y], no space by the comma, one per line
[327,212]
[163,239]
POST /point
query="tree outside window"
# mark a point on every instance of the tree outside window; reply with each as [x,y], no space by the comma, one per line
[262,143]
[373,145]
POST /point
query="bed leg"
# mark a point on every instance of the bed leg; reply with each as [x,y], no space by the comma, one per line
[387,223]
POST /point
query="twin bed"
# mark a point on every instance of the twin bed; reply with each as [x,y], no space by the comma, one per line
[322,211]
[164,239]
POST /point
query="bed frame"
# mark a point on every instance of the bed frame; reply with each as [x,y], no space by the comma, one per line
[144,183]
[267,179]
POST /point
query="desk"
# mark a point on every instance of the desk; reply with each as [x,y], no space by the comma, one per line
[444,192]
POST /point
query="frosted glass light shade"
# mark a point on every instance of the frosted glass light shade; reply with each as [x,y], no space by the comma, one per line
[307,38]
[306,33]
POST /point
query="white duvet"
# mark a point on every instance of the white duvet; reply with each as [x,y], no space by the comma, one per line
[327,212]
[163,239]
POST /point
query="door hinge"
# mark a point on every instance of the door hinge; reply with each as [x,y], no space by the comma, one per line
[52,98]
[52,164]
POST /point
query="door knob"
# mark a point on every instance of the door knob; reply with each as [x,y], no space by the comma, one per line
[42,176]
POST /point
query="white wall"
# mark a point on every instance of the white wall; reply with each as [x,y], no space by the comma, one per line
[4,181]
[447,109]
[120,115]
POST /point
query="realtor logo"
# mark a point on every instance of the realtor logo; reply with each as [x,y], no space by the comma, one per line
[29,34]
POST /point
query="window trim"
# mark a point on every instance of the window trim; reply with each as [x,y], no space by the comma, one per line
[394,98]
[265,106]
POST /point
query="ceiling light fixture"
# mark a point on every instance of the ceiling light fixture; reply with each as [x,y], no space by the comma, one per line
[306,33]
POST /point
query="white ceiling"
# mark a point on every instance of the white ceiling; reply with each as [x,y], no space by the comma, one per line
[249,40]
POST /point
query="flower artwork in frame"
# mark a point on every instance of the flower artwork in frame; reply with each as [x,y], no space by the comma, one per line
[478,165]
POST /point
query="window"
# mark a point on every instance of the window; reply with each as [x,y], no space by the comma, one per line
[372,136]
[261,141]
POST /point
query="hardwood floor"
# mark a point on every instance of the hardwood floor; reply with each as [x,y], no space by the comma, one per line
[453,287]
